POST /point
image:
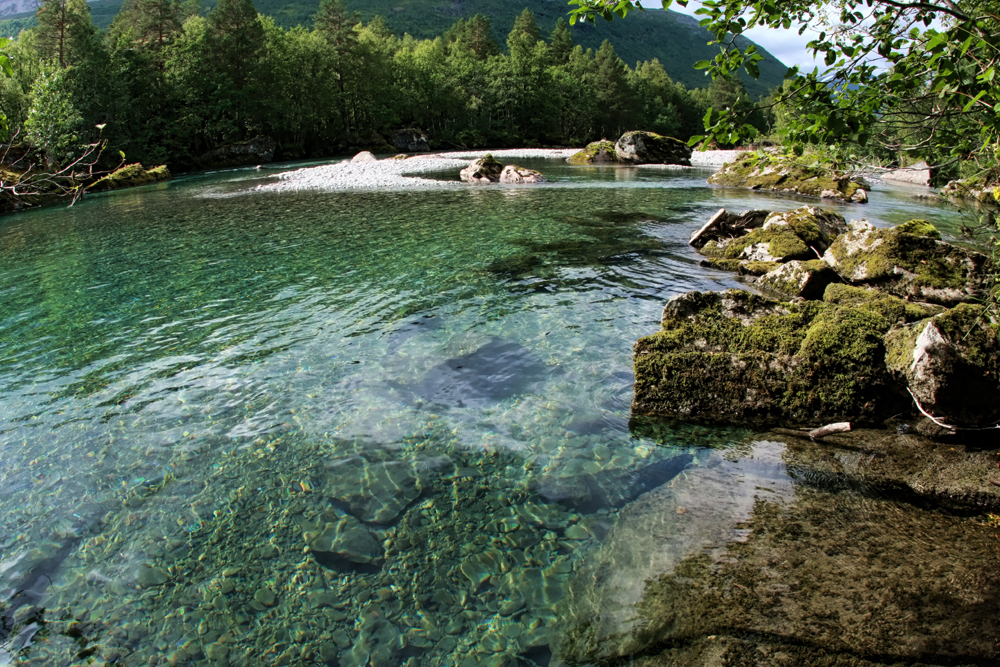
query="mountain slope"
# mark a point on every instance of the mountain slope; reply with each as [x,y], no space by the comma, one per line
[677,40]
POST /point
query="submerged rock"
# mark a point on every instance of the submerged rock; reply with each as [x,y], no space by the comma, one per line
[129,176]
[485,170]
[951,365]
[768,171]
[909,261]
[374,491]
[640,147]
[739,358]
[597,152]
[517,175]
[349,539]
[773,557]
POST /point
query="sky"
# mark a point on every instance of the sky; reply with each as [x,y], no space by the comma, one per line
[786,45]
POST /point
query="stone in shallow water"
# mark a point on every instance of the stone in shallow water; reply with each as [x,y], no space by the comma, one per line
[375,491]
[818,567]
[349,539]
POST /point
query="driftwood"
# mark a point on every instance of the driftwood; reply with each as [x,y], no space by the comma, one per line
[727,225]
[816,433]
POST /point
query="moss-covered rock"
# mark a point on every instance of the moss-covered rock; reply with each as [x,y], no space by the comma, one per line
[951,365]
[816,227]
[740,358]
[910,265]
[742,267]
[807,280]
[597,152]
[640,147]
[130,176]
[774,244]
[891,307]
[515,175]
[985,188]
[483,171]
[768,171]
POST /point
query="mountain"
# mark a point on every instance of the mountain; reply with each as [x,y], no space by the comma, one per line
[676,39]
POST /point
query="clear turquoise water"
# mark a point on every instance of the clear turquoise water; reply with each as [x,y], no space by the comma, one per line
[197,381]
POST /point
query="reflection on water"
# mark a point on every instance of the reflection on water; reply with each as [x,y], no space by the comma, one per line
[346,428]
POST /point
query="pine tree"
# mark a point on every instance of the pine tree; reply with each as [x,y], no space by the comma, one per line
[151,23]
[336,27]
[64,26]
[560,42]
[239,37]
[475,35]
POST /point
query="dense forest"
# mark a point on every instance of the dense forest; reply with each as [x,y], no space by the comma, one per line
[165,84]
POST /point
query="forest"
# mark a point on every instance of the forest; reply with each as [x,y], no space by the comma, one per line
[167,82]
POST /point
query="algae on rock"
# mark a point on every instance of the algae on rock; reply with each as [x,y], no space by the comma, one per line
[129,176]
[596,152]
[641,147]
[740,358]
[783,174]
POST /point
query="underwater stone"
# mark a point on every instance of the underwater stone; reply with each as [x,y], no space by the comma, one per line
[349,539]
[374,491]
[151,576]
[951,364]
[265,596]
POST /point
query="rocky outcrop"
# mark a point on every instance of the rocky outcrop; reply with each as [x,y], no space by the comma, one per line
[258,150]
[597,152]
[776,173]
[640,147]
[951,365]
[740,358]
[515,175]
[130,176]
[909,261]
[801,234]
[410,140]
[485,170]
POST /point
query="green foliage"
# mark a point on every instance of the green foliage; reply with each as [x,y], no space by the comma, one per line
[53,125]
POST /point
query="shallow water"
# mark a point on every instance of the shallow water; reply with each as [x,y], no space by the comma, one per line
[335,428]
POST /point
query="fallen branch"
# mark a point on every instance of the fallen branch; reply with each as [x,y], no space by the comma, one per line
[947,426]
[816,433]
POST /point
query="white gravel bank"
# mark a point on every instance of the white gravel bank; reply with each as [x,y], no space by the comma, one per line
[397,174]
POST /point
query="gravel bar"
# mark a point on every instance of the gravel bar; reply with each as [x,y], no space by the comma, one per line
[397,174]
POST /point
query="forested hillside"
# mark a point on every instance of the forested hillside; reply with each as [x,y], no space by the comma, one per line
[676,40]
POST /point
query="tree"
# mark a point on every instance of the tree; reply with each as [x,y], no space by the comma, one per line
[54,124]
[560,42]
[475,35]
[63,25]
[149,23]
[336,28]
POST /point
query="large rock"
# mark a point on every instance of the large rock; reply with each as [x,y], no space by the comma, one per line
[364,156]
[910,261]
[641,147]
[258,150]
[130,176]
[769,171]
[740,358]
[597,152]
[411,140]
[483,171]
[771,555]
[917,174]
[951,365]
[349,539]
[803,233]
[374,491]
[518,175]
[725,225]
[807,280]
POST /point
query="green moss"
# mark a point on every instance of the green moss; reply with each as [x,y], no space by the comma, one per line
[782,244]
[130,176]
[596,152]
[742,267]
[919,228]
[775,172]
[961,325]
[892,308]
[743,358]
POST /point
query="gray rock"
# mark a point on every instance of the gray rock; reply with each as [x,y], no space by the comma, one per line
[483,171]
[518,175]
[640,147]
[364,156]
[951,365]
[916,174]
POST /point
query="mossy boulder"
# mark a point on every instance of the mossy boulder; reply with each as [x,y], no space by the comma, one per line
[724,225]
[740,358]
[803,233]
[777,173]
[807,280]
[775,244]
[983,189]
[483,171]
[892,308]
[951,365]
[130,176]
[742,267]
[597,152]
[909,261]
[640,147]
